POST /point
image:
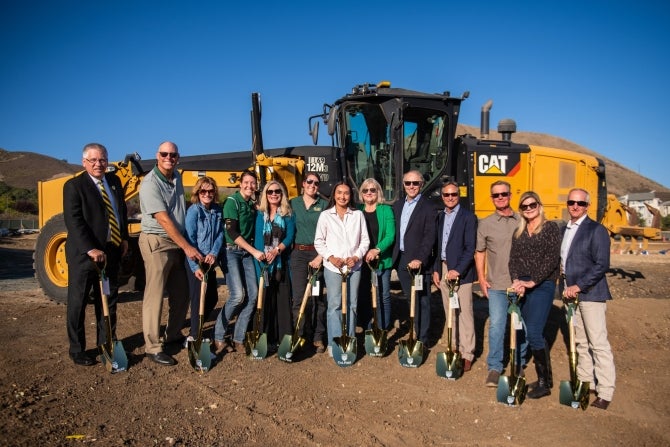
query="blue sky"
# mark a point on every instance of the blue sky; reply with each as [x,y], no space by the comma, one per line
[131,74]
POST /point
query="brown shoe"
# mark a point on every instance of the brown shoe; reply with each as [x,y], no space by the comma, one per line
[492,379]
[600,403]
[219,346]
[239,347]
[467,365]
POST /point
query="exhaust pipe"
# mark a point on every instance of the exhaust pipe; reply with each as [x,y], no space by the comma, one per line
[484,125]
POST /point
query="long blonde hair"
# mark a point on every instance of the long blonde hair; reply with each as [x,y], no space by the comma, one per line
[522,222]
[195,193]
[284,207]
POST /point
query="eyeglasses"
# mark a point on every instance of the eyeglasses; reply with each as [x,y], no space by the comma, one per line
[102,161]
[312,181]
[528,206]
[495,195]
[449,194]
[203,192]
[412,182]
[369,190]
[273,191]
[169,154]
[577,202]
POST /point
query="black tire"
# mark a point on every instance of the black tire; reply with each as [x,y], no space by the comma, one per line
[49,259]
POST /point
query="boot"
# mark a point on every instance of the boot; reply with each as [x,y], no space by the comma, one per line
[550,374]
[542,388]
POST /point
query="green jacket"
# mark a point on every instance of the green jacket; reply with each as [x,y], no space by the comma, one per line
[386,236]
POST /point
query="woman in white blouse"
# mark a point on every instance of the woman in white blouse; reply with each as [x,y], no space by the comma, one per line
[342,240]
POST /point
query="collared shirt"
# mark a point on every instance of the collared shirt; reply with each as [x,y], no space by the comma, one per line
[449,217]
[158,193]
[342,238]
[407,210]
[306,218]
[570,231]
[494,235]
[236,207]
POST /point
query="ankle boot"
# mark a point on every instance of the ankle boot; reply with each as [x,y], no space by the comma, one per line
[550,374]
[542,388]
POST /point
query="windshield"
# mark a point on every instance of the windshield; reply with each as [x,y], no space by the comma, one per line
[370,152]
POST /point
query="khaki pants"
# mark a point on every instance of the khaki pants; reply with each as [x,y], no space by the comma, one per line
[464,326]
[595,359]
[164,264]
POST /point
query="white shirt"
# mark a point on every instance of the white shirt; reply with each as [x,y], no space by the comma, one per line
[570,231]
[341,238]
[407,210]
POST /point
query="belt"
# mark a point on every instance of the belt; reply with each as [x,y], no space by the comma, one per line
[302,247]
[233,246]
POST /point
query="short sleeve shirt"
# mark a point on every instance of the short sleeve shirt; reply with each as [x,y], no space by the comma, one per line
[306,219]
[494,236]
[244,212]
[158,193]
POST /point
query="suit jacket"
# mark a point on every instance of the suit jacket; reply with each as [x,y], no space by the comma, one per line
[460,245]
[86,216]
[419,234]
[588,260]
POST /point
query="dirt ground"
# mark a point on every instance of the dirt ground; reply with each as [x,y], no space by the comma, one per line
[46,400]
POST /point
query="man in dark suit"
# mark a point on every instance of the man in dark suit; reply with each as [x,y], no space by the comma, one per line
[92,237]
[455,260]
[585,258]
[415,238]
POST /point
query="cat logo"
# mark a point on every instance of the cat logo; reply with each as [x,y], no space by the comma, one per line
[498,164]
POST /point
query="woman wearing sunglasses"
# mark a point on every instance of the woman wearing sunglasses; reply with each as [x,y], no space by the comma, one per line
[380,224]
[534,266]
[275,229]
[204,230]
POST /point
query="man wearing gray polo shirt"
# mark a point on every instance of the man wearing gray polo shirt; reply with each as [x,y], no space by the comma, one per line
[494,241]
[163,248]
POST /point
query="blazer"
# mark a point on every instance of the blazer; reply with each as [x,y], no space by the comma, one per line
[86,216]
[419,235]
[386,236]
[588,260]
[460,245]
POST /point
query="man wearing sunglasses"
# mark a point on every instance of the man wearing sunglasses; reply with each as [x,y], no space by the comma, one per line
[456,240]
[163,246]
[585,258]
[494,241]
[413,252]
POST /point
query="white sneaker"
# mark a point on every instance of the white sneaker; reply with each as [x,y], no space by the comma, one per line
[330,351]
[189,338]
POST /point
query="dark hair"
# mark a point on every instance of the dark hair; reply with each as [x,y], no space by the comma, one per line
[331,202]
[250,173]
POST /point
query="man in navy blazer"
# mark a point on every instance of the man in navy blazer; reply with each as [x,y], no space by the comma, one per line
[455,260]
[415,238]
[89,240]
[585,258]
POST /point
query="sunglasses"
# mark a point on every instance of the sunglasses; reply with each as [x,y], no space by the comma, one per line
[495,195]
[169,154]
[528,206]
[449,194]
[369,190]
[312,181]
[273,191]
[412,182]
[577,202]
[203,192]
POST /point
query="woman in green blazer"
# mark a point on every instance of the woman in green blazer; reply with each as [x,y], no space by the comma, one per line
[381,230]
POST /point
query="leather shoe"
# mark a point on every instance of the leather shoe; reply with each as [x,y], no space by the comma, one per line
[80,358]
[467,365]
[600,403]
[162,359]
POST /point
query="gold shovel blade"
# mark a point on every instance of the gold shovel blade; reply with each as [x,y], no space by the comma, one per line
[449,365]
[344,350]
[410,353]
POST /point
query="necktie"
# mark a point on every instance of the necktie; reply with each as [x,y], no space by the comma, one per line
[115,230]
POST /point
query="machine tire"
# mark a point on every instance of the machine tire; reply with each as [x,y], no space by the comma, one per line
[49,259]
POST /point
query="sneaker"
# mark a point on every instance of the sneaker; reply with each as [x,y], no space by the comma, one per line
[492,379]
[189,338]
[330,351]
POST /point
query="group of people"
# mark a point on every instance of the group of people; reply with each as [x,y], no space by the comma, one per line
[287,241]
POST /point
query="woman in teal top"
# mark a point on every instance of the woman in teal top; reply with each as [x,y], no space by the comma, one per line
[381,230]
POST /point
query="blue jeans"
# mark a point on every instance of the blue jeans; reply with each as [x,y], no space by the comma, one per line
[498,318]
[243,292]
[535,309]
[334,313]
[364,310]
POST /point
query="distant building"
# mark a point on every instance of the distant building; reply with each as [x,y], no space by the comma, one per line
[636,201]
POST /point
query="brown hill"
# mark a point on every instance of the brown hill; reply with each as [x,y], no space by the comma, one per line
[24,169]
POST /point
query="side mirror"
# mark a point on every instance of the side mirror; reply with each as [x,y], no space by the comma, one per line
[314,132]
[332,118]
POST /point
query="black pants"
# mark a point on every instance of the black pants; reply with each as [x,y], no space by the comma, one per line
[211,297]
[422,298]
[314,327]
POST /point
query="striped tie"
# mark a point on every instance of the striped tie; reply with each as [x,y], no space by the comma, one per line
[115,230]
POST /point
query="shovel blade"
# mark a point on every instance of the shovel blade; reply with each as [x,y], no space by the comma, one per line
[288,347]
[114,359]
[574,396]
[410,353]
[449,365]
[376,342]
[511,390]
[256,346]
[200,356]
[344,350]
